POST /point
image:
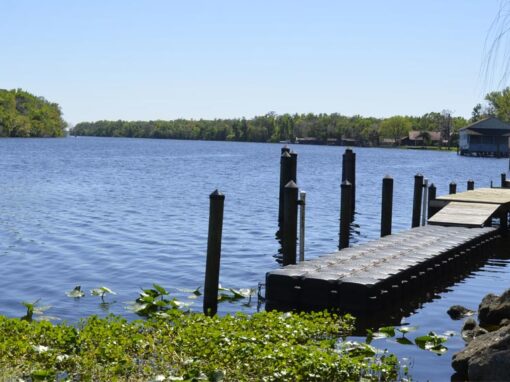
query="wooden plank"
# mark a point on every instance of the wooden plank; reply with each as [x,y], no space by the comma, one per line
[480,195]
[464,214]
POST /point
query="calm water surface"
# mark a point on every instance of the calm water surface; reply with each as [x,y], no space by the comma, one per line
[125,213]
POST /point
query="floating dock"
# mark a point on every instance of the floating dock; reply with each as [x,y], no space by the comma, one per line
[380,273]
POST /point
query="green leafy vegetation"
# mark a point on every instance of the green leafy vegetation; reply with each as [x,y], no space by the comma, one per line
[432,342]
[101,292]
[25,115]
[267,346]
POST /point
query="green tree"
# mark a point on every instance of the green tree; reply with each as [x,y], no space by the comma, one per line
[499,104]
[24,115]
[396,128]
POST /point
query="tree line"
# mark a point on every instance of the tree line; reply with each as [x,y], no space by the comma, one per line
[25,115]
[271,127]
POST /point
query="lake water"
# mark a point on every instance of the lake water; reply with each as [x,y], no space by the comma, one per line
[125,213]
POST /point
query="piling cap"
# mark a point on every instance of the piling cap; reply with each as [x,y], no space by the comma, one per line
[285,154]
[452,182]
[418,175]
[387,176]
[217,195]
[291,184]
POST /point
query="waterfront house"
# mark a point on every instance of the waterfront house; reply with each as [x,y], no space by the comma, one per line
[487,137]
[422,138]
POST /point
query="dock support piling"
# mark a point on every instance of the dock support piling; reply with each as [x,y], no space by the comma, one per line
[302,207]
[418,191]
[386,205]
[425,204]
[453,188]
[345,213]
[212,267]
[470,185]
[290,204]
[503,180]
[349,174]
[285,177]
[432,196]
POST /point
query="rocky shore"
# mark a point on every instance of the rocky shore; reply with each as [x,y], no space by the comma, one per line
[486,356]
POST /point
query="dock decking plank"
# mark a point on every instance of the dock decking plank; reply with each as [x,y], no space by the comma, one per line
[464,214]
[480,195]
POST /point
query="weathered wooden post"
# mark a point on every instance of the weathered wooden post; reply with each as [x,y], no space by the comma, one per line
[470,185]
[386,205]
[289,238]
[212,267]
[349,174]
[285,177]
[432,196]
[453,188]
[345,213]
[302,207]
[418,192]
[503,180]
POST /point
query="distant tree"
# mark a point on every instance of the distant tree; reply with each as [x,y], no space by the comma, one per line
[396,128]
[24,115]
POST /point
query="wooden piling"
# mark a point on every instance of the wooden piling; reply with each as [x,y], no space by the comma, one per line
[349,174]
[417,196]
[293,167]
[212,267]
[345,213]
[470,185]
[453,188]
[503,180]
[285,177]
[432,196]
[302,208]
[386,205]
[289,237]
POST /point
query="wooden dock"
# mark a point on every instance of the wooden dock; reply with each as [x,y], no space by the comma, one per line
[382,272]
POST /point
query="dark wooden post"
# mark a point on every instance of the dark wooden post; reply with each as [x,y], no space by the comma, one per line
[285,177]
[418,192]
[470,185]
[432,196]
[212,267]
[293,167]
[349,174]
[453,188]
[503,180]
[386,205]
[345,213]
[290,207]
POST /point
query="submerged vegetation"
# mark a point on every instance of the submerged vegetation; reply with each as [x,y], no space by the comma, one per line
[25,115]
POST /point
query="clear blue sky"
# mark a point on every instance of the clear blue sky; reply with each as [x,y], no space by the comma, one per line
[162,59]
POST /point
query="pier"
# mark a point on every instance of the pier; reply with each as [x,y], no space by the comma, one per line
[382,273]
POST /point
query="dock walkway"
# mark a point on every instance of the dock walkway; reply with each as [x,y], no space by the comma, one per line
[380,272]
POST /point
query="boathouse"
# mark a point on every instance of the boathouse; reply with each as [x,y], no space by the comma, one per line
[487,137]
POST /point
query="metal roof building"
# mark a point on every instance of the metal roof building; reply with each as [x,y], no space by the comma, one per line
[487,137]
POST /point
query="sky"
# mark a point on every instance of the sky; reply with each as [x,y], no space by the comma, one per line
[165,59]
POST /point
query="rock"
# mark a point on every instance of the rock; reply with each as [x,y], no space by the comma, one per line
[456,312]
[493,309]
[504,322]
[471,330]
[469,324]
[486,357]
